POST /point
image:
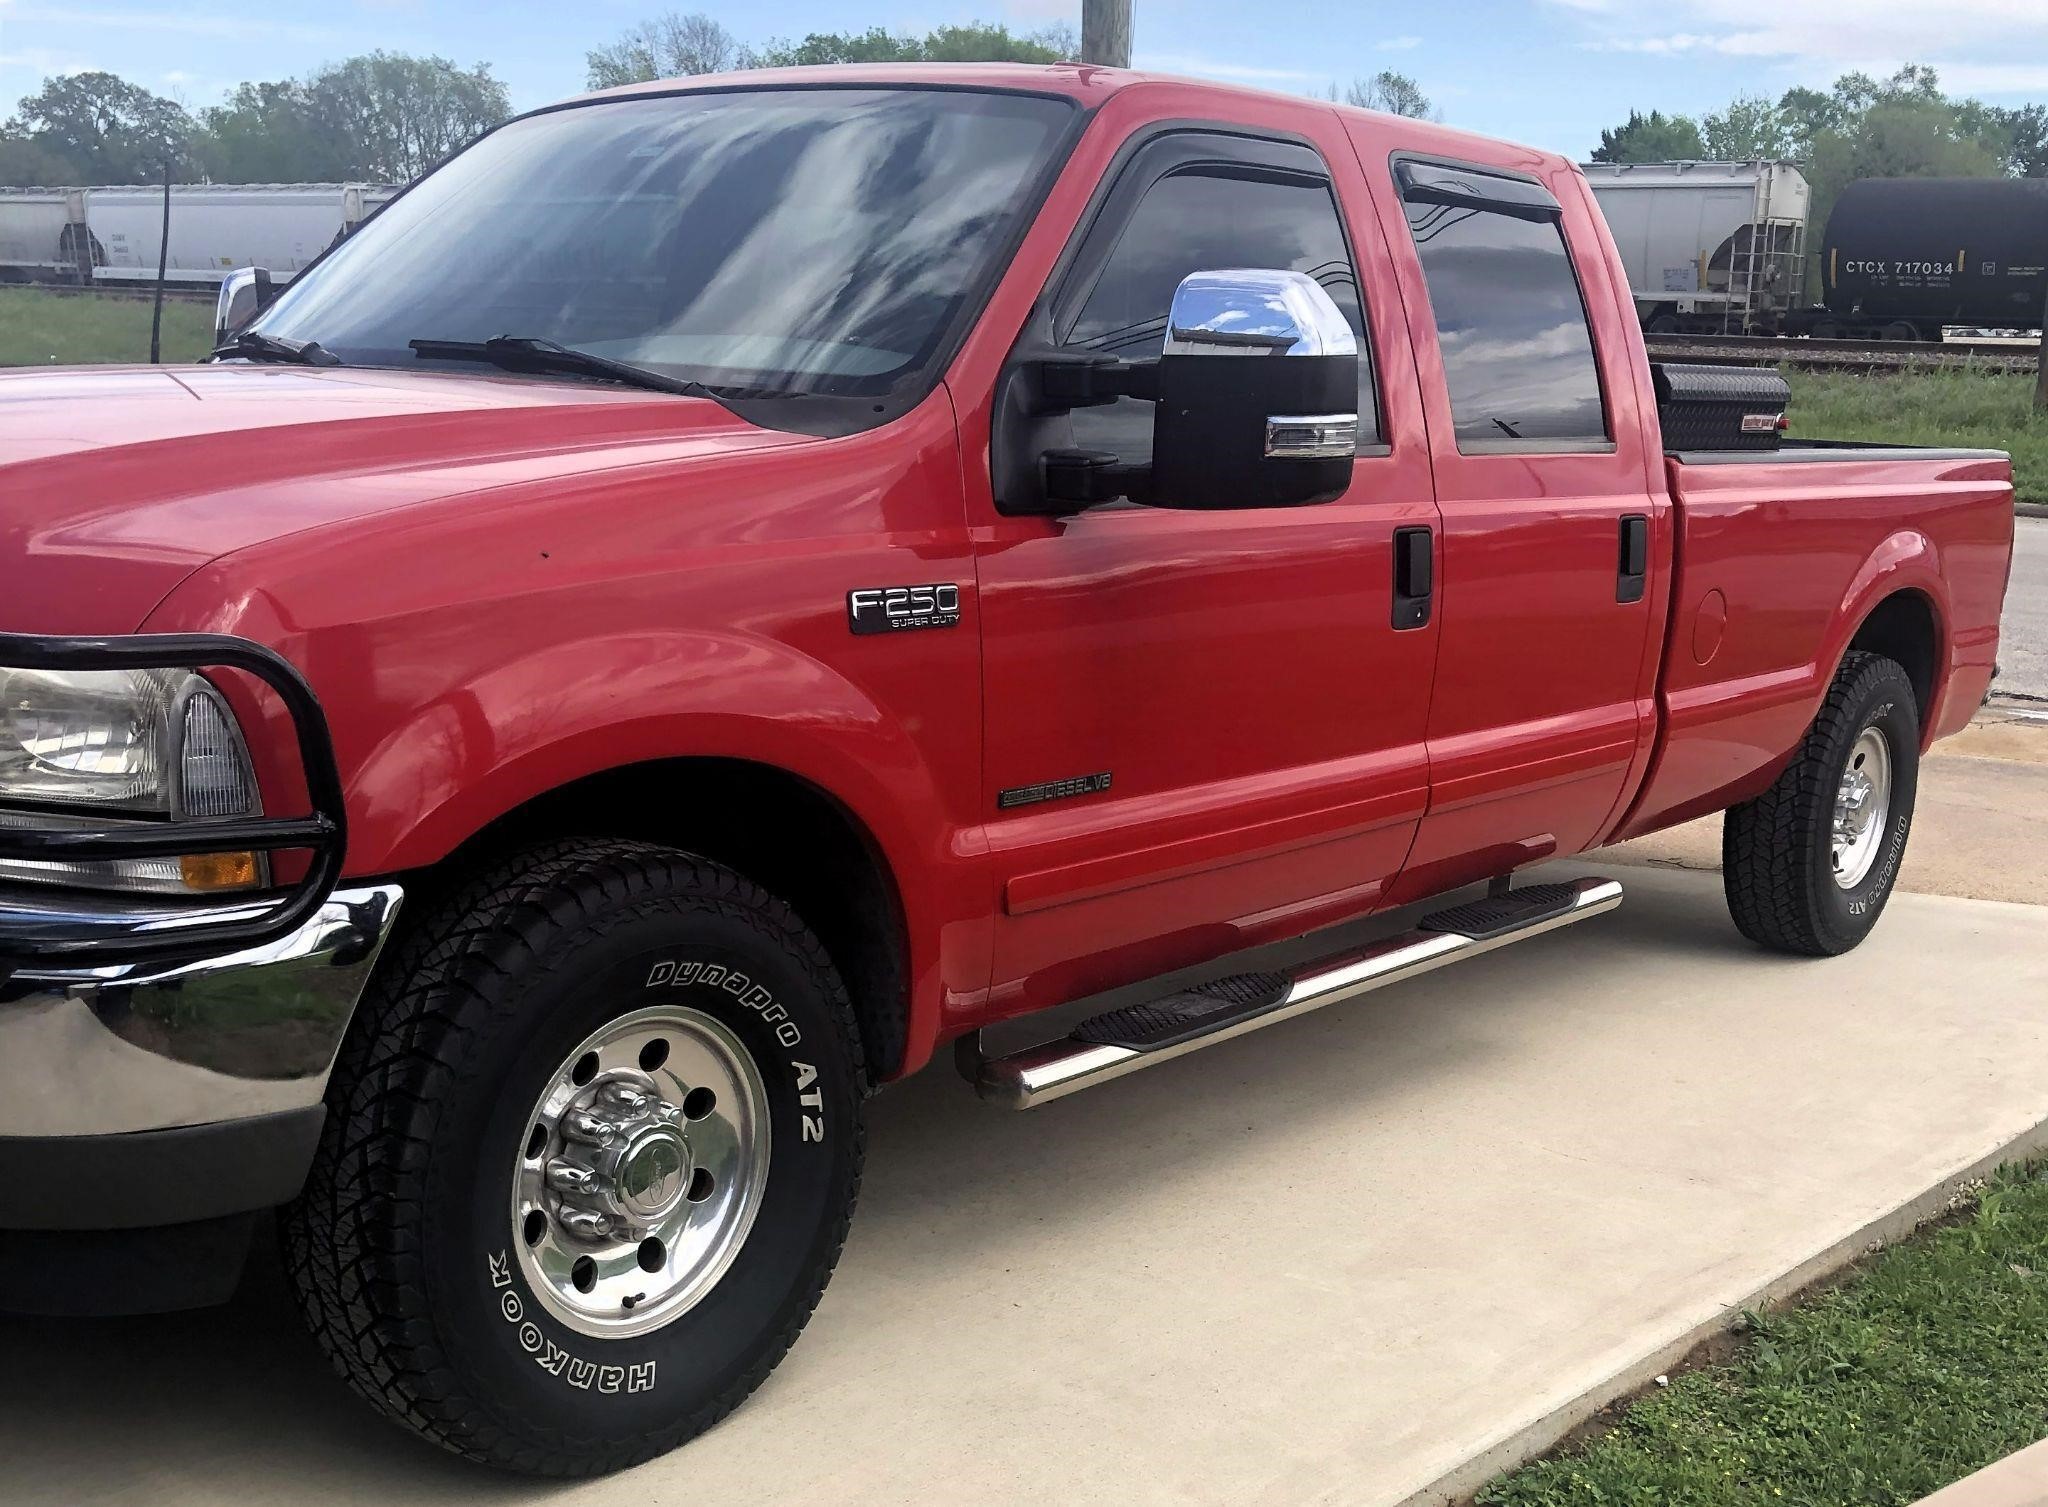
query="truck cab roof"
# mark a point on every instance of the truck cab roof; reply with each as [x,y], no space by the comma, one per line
[1088,84]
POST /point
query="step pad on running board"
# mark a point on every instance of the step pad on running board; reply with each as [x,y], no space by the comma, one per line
[1497,915]
[1182,1017]
[1140,1036]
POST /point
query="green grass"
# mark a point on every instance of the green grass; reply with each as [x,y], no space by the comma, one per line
[49,329]
[1951,407]
[1927,1364]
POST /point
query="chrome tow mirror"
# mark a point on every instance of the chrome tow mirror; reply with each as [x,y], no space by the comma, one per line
[244,293]
[1258,393]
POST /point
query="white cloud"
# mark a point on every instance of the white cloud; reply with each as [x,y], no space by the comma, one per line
[1170,62]
[43,62]
[1671,46]
[1399,44]
[1987,46]
[1994,78]
[234,27]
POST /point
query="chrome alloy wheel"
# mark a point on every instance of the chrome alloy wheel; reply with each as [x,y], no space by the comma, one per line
[641,1171]
[1863,803]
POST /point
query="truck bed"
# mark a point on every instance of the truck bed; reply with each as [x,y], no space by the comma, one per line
[1782,558]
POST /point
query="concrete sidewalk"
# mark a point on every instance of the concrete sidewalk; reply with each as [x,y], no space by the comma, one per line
[1980,829]
[2019,1480]
[1359,1256]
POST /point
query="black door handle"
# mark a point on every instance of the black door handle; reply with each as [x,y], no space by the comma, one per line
[1414,576]
[1634,572]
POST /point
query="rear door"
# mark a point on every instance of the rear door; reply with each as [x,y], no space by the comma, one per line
[1204,729]
[1549,617]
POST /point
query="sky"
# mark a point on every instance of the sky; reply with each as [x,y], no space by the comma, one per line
[1548,72]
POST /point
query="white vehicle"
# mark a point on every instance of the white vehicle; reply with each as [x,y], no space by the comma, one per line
[214,229]
[218,227]
[1710,247]
[38,235]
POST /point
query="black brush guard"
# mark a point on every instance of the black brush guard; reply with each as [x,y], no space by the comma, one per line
[68,936]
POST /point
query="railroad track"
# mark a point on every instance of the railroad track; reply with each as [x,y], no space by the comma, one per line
[173,293]
[1852,355]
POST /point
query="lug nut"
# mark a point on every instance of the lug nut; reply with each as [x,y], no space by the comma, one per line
[587,1127]
[568,1177]
[585,1224]
[624,1098]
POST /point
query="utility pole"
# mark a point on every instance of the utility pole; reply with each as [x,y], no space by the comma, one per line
[2041,365]
[1106,32]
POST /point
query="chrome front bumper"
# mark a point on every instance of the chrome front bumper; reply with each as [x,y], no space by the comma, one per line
[140,1047]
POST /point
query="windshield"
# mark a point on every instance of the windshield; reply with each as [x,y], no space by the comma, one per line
[815,240]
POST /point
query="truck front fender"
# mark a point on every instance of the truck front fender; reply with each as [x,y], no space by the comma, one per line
[434,748]
[481,749]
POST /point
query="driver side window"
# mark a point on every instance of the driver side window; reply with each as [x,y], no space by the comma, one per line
[1199,219]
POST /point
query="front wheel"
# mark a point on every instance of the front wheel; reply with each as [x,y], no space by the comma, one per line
[1809,865]
[590,1157]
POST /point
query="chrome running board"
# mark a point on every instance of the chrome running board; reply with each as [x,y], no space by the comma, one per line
[1141,1036]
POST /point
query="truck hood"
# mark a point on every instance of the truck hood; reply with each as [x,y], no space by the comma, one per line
[118,482]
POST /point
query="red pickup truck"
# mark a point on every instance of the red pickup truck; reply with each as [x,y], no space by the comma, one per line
[782,572]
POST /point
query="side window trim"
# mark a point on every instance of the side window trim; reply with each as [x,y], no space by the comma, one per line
[1222,152]
[1451,182]
[1429,181]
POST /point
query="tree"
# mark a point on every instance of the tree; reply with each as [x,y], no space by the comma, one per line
[392,116]
[2019,135]
[1899,139]
[383,116]
[1900,129]
[272,133]
[988,42]
[669,46]
[103,128]
[24,164]
[1655,137]
[978,42]
[1391,92]
[1750,128]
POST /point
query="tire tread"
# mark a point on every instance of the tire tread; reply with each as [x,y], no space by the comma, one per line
[1766,843]
[358,1274]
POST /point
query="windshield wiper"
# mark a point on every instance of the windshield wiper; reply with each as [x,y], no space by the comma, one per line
[525,353]
[257,346]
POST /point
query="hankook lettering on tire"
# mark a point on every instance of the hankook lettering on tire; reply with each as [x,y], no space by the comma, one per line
[575,1371]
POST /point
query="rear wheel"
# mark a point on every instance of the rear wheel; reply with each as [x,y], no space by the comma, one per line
[590,1157]
[1810,864]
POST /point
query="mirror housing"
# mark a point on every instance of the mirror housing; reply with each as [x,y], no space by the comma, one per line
[244,293]
[1257,391]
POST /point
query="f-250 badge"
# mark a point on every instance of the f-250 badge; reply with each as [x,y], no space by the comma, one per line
[898,609]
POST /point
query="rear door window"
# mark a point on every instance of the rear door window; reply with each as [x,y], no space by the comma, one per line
[1511,323]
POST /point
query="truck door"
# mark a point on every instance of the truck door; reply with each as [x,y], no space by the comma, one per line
[1549,629]
[1204,729]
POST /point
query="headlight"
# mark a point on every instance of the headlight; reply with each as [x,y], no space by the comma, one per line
[109,745]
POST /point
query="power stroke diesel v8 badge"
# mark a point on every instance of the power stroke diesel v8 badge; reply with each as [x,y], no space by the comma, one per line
[897,609]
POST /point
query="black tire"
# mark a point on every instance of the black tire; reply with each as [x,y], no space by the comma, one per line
[1777,860]
[397,1246]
